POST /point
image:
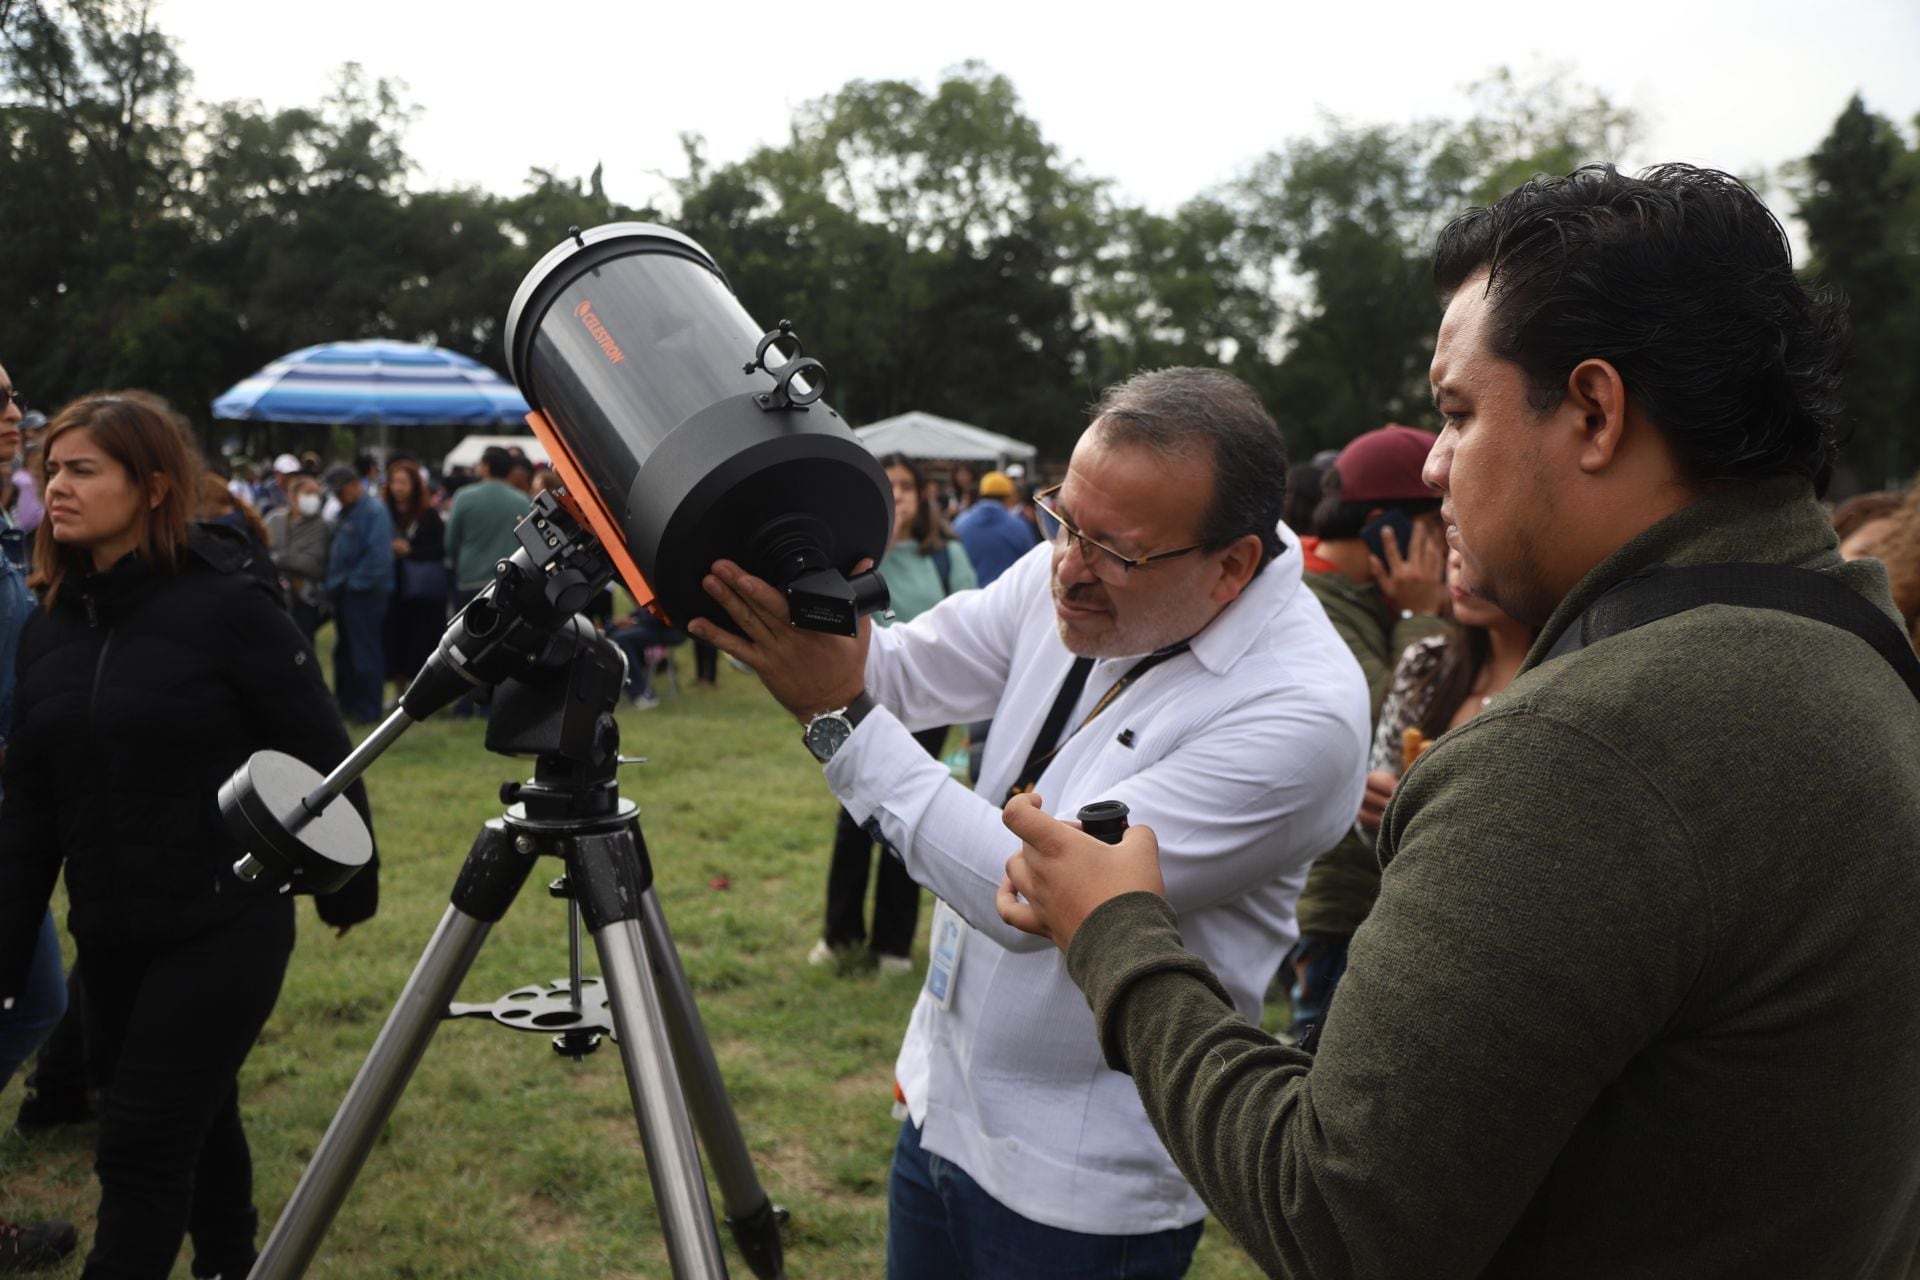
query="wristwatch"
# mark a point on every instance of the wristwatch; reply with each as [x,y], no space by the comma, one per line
[827,732]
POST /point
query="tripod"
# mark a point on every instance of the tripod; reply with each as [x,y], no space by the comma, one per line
[562,715]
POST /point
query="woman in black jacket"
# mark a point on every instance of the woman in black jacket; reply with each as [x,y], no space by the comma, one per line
[154,668]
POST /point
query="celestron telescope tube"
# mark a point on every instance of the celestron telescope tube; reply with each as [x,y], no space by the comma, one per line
[686,434]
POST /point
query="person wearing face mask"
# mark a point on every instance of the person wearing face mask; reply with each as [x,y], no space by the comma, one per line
[1160,651]
[299,538]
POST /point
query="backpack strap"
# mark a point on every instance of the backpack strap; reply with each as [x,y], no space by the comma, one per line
[1665,590]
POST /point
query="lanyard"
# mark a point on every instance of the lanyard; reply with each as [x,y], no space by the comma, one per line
[1049,741]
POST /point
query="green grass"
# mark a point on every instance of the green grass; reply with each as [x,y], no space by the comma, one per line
[505,1160]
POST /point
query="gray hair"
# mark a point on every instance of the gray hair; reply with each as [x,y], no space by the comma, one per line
[1178,412]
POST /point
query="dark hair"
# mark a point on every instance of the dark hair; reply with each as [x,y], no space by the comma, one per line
[496,462]
[215,500]
[1335,519]
[142,433]
[1683,281]
[1179,411]
[929,528]
[417,504]
[1303,495]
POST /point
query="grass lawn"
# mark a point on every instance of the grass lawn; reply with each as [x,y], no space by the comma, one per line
[504,1160]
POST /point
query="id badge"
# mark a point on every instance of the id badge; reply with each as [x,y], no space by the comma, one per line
[943,962]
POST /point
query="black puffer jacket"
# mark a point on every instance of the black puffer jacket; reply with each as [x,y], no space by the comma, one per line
[138,695]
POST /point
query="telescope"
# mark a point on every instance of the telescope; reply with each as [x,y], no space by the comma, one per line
[628,345]
[684,434]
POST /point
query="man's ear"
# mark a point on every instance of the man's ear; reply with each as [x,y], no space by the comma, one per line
[1598,396]
[1237,567]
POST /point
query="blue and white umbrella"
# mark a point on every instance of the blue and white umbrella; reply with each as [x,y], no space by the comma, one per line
[375,383]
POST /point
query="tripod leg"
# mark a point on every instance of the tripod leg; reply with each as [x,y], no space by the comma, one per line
[607,872]
[488,882]
[750,1214]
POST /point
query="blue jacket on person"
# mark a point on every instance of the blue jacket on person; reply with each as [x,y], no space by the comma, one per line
[361,555]
[994,537]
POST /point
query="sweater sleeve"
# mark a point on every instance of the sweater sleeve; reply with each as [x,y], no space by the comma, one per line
[279,680]
[1538,924]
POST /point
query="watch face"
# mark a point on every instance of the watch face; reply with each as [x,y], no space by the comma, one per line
[826,735]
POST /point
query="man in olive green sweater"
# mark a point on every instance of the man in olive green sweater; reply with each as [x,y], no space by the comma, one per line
[1641,993]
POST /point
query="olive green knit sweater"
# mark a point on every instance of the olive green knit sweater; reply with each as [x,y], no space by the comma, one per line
[1641,994]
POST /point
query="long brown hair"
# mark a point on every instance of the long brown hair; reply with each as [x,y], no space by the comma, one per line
[930,528]
[417,505]
[217,500]
[142,433]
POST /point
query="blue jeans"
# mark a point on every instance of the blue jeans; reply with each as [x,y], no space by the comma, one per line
[635,640]
[359,653]
[38,1009]
[1319,961]
[942,1226]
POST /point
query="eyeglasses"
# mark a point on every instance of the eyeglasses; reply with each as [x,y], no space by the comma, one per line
[1101,560]
[9,395]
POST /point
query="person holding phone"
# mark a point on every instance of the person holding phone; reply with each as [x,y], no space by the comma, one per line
[1378,567]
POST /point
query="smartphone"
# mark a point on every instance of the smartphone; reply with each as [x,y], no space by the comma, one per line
[1396,520]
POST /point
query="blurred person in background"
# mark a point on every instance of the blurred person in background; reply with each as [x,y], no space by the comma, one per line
[27,508]
[218,505]
[924,565]
[1861,520]
[417,615]
[298,539]
[156,667]
[1304,491]
[1382,595]
[1441,683]
[479,535]
[37,1001]
[1898,547]
[991,529]
[360,577]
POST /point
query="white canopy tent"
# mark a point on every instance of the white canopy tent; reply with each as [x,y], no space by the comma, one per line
[467,452]
[926,435]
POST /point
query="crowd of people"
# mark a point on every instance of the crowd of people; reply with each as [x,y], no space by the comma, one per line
[1503,754]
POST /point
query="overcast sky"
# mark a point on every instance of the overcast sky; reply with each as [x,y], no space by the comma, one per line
[1165,99]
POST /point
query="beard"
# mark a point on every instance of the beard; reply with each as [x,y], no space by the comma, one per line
[1137,624]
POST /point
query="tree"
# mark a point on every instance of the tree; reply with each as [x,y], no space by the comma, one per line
[92,101]
[1860,199]
[924,245]
[1341,232]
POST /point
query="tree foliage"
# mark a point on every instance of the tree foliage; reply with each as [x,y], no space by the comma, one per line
[1860,200]
[931,245]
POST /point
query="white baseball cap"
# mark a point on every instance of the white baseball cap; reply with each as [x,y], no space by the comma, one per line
[285,465]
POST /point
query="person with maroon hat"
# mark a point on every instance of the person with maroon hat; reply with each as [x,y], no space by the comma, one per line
[1378,568]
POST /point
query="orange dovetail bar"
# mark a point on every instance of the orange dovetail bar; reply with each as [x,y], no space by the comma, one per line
[586,504]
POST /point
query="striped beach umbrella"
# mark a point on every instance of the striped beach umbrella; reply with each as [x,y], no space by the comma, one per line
[375,383]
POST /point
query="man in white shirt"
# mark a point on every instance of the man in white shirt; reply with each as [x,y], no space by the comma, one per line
[1161,651]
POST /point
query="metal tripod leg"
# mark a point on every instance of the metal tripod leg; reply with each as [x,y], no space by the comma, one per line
[751,1216]
[492,875]
[609,880]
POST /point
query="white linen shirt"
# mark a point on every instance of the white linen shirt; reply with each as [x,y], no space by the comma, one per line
[1245,755]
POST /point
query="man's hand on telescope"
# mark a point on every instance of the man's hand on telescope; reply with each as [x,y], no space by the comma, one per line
[807,672]
[1064,873]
